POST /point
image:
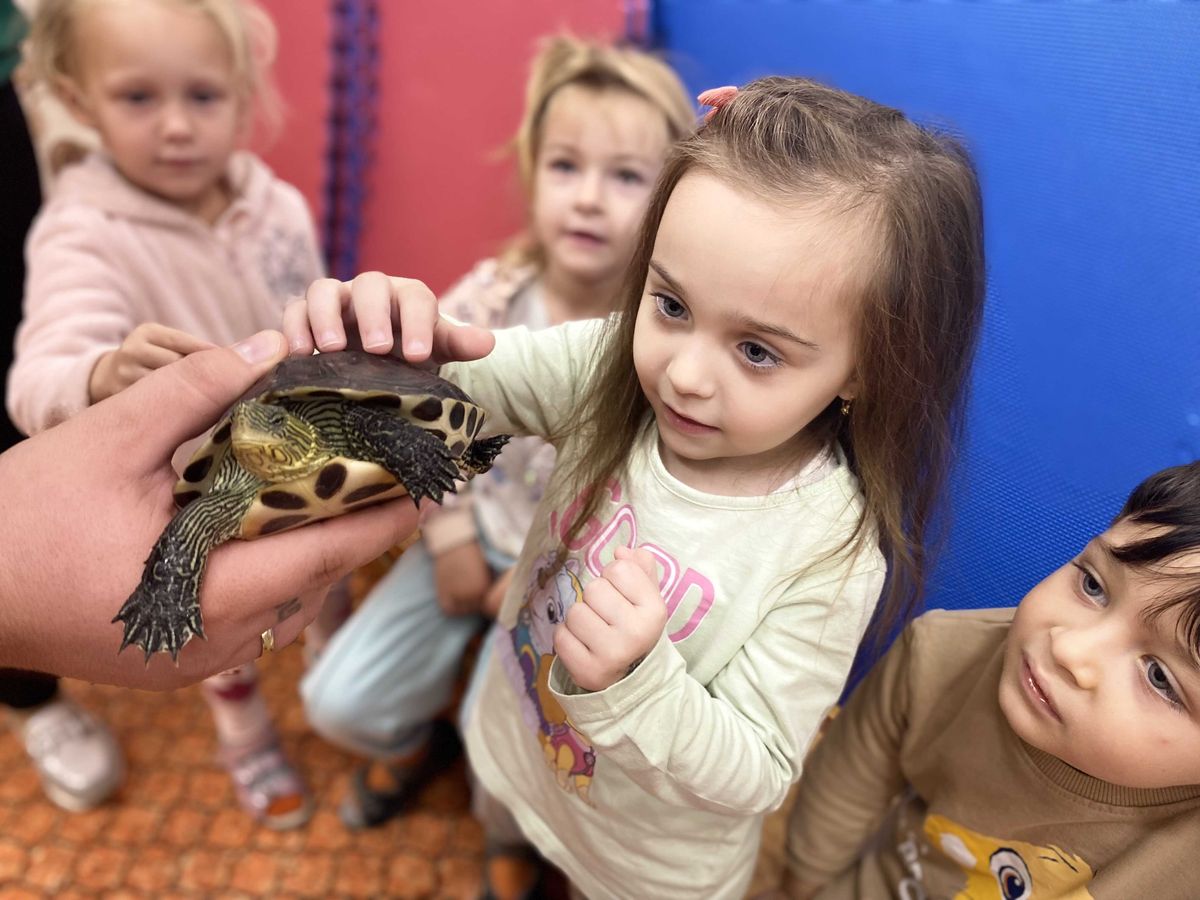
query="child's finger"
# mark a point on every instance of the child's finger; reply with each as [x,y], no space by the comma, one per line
[371,299]
[152,356]
[633,580]
[326,300]
[297,329]
[132,373]
[644,559]
[605,600]
[179,342]
[573,653]
[417,309]
[178,402]
[585,623]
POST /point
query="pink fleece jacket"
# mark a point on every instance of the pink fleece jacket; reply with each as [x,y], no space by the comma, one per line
[103,257]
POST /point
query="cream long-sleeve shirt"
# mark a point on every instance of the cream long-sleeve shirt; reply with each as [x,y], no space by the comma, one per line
[499,504]
[657,786]
[104,257]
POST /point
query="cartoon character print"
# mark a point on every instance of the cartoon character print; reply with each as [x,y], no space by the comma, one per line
[550,594]
[286,263]
[999,869]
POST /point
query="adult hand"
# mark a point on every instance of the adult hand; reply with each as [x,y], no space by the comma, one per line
[148,347]
[462,578]
[82,504]
[377,307]
[619,621]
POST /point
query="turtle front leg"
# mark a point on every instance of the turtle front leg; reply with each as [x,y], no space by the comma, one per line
[164,612]
[419,460]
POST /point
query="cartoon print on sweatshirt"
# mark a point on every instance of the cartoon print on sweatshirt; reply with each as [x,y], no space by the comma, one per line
[550,592]
[999,869]
[286,262]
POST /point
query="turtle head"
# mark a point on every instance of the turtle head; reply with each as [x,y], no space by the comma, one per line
[274,445]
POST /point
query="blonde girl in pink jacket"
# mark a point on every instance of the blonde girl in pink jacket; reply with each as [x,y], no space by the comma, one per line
[170,240]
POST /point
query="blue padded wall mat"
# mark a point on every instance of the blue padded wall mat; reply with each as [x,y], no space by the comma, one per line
[1082,118]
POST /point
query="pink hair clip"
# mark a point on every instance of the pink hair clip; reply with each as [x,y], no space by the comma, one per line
[716,98]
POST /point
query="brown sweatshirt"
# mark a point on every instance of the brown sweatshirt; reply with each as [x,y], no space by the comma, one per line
[922,790]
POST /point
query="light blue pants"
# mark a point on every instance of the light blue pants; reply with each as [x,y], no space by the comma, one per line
[391,668]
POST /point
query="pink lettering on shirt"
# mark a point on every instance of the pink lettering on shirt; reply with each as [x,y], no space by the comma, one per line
[682,589]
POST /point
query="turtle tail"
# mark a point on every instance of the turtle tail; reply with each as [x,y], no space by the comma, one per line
[482,453]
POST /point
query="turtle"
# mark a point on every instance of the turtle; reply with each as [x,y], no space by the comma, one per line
[318,436]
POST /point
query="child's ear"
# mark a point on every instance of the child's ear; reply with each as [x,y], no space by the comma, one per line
[72,98]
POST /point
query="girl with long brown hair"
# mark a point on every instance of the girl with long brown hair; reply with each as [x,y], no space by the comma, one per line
[745,451]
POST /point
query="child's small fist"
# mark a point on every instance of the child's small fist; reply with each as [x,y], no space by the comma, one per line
[619,621]
[643,558]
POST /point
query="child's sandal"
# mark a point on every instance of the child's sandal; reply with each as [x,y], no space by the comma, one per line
[268,787]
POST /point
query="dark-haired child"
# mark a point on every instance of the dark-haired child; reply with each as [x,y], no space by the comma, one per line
[1053,751]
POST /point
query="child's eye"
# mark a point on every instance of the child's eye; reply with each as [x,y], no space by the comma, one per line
[136,98]
[668,307]
[562,165]
[1160,681]
[1090,586]
[204,95]
[630,176]
[758,356]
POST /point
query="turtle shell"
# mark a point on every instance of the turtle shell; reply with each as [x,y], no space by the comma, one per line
[342,483]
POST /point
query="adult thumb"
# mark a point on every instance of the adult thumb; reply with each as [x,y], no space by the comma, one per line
[181,400]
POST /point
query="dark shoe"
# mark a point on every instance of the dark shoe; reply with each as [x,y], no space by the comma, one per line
[519,865]
[368,807]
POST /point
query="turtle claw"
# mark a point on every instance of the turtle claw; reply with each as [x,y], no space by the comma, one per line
[435,477]
[157,626]
[436,480]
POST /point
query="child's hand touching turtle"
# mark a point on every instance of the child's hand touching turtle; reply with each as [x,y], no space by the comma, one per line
[382,307]
[148,347]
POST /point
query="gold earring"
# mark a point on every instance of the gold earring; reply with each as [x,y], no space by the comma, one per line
[845,407]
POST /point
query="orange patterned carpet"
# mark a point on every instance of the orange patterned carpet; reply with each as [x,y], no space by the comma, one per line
[175,829]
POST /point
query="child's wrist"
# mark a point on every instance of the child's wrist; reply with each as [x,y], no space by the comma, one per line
[98,379]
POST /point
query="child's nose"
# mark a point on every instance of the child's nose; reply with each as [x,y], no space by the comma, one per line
[590,192]
[1080,651]
[176,120]
[690,372]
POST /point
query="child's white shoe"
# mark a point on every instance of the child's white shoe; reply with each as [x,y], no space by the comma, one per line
[75,754]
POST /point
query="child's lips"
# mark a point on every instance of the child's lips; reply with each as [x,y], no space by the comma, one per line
[1035,691]
[588,237]
[682,423]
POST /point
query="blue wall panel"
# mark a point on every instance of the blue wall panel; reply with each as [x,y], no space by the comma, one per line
[1084,121]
